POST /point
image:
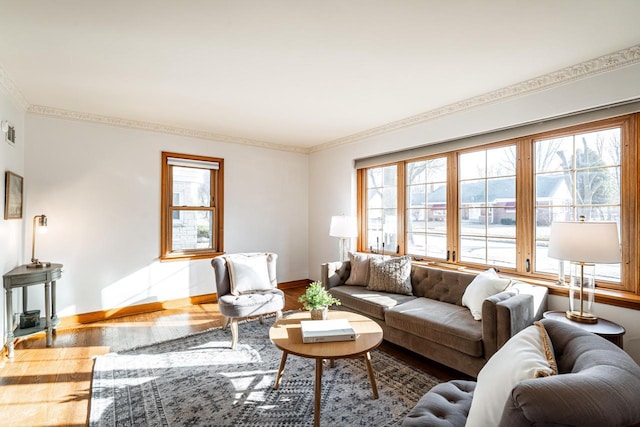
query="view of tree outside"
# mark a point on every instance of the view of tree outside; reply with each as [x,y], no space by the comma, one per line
[487,206]
[426,208]
[577,175]
[382,208]
[191,228]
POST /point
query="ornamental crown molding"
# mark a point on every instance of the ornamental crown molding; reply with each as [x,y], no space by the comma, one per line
[598,65]
[156,127]
[566,75]
[13,90]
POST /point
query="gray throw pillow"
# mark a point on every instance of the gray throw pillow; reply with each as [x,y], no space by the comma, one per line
[392,275]
[359,275]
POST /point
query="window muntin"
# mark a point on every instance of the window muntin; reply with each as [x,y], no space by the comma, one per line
[487,206]
[191,206]
[576,175]
[382,209]
[426,208]
[534,168]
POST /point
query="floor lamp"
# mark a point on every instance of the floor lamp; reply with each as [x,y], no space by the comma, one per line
[345,228]
[584,244]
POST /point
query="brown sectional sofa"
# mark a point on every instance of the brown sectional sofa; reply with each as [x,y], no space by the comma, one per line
[433,322]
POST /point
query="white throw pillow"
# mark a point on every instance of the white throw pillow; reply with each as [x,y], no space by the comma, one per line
[483,286]
[248,273]
[524,356]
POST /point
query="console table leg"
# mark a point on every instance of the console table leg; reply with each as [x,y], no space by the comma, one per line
[47,311]
[9,318]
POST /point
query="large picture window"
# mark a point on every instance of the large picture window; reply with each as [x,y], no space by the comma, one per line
[492,205]
[191,220]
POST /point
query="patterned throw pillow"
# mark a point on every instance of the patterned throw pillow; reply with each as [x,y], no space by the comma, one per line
[391,275]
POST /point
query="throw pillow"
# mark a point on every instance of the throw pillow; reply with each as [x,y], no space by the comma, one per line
[359,275]
[248,273]
[522,357]
[483,286]
[391,275]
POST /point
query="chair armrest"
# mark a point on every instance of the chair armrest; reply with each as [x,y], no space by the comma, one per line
[334,273]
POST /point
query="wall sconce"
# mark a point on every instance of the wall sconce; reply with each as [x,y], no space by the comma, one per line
[39,223]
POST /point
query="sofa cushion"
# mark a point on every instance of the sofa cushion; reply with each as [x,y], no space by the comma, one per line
[484,285]
[369,303]
[522,357]
[391,275]
[447,324]
[442,285]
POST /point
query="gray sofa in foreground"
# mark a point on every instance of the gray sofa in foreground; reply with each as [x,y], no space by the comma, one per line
[597,385]
[433,322]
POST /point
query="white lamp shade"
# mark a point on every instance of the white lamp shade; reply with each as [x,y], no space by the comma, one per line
[589,242]
[343,226]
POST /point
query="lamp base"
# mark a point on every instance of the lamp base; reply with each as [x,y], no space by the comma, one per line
[39,264]
[576,316]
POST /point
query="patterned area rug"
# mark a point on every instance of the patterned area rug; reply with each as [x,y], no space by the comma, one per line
[199,381]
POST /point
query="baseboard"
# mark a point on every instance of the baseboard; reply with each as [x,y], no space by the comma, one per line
[97,316]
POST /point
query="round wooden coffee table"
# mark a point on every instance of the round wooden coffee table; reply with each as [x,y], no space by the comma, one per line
[286,335]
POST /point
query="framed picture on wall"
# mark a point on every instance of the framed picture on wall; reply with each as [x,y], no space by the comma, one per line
[12,196]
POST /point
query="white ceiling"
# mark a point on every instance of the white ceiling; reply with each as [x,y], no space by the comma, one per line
[298,73]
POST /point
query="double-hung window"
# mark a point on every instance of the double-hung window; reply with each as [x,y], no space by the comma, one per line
[192,201]
[492,205]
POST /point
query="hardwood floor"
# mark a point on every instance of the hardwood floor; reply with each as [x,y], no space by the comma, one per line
[51,386]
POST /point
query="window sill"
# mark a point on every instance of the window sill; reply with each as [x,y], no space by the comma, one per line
[613,297]
[188,257]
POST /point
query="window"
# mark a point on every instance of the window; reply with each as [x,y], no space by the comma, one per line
[492,205]
[192,200]
[382,209]
[487,206]
[577,175]
[426,208]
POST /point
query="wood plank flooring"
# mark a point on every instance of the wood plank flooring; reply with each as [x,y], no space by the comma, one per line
[51,386]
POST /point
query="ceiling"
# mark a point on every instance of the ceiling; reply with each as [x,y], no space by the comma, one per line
[290,74]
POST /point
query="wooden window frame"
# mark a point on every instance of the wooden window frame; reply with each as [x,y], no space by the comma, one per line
[626,293]
[216,207]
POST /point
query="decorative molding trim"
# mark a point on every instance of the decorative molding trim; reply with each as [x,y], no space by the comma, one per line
[13,90]
[592,67]
[598,65]
[156,127]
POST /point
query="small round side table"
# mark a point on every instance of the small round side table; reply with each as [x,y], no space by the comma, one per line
[605,328]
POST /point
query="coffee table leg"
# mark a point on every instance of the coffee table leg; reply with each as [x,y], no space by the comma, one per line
[282,363]
[372,378]
[318,392]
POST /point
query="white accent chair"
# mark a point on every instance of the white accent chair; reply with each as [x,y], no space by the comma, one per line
[249,304]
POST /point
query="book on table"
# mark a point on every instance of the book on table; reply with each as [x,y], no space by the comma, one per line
[314,331]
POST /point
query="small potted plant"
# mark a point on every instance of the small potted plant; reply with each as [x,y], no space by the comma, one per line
[317,300]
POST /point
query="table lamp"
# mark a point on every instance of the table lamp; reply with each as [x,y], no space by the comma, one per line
[344,227]
[584,244]
[39,223]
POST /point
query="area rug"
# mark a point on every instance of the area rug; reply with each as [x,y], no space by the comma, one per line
[199,381]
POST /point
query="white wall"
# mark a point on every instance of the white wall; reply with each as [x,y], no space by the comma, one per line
[332,174]
[11,231]
[100,189]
